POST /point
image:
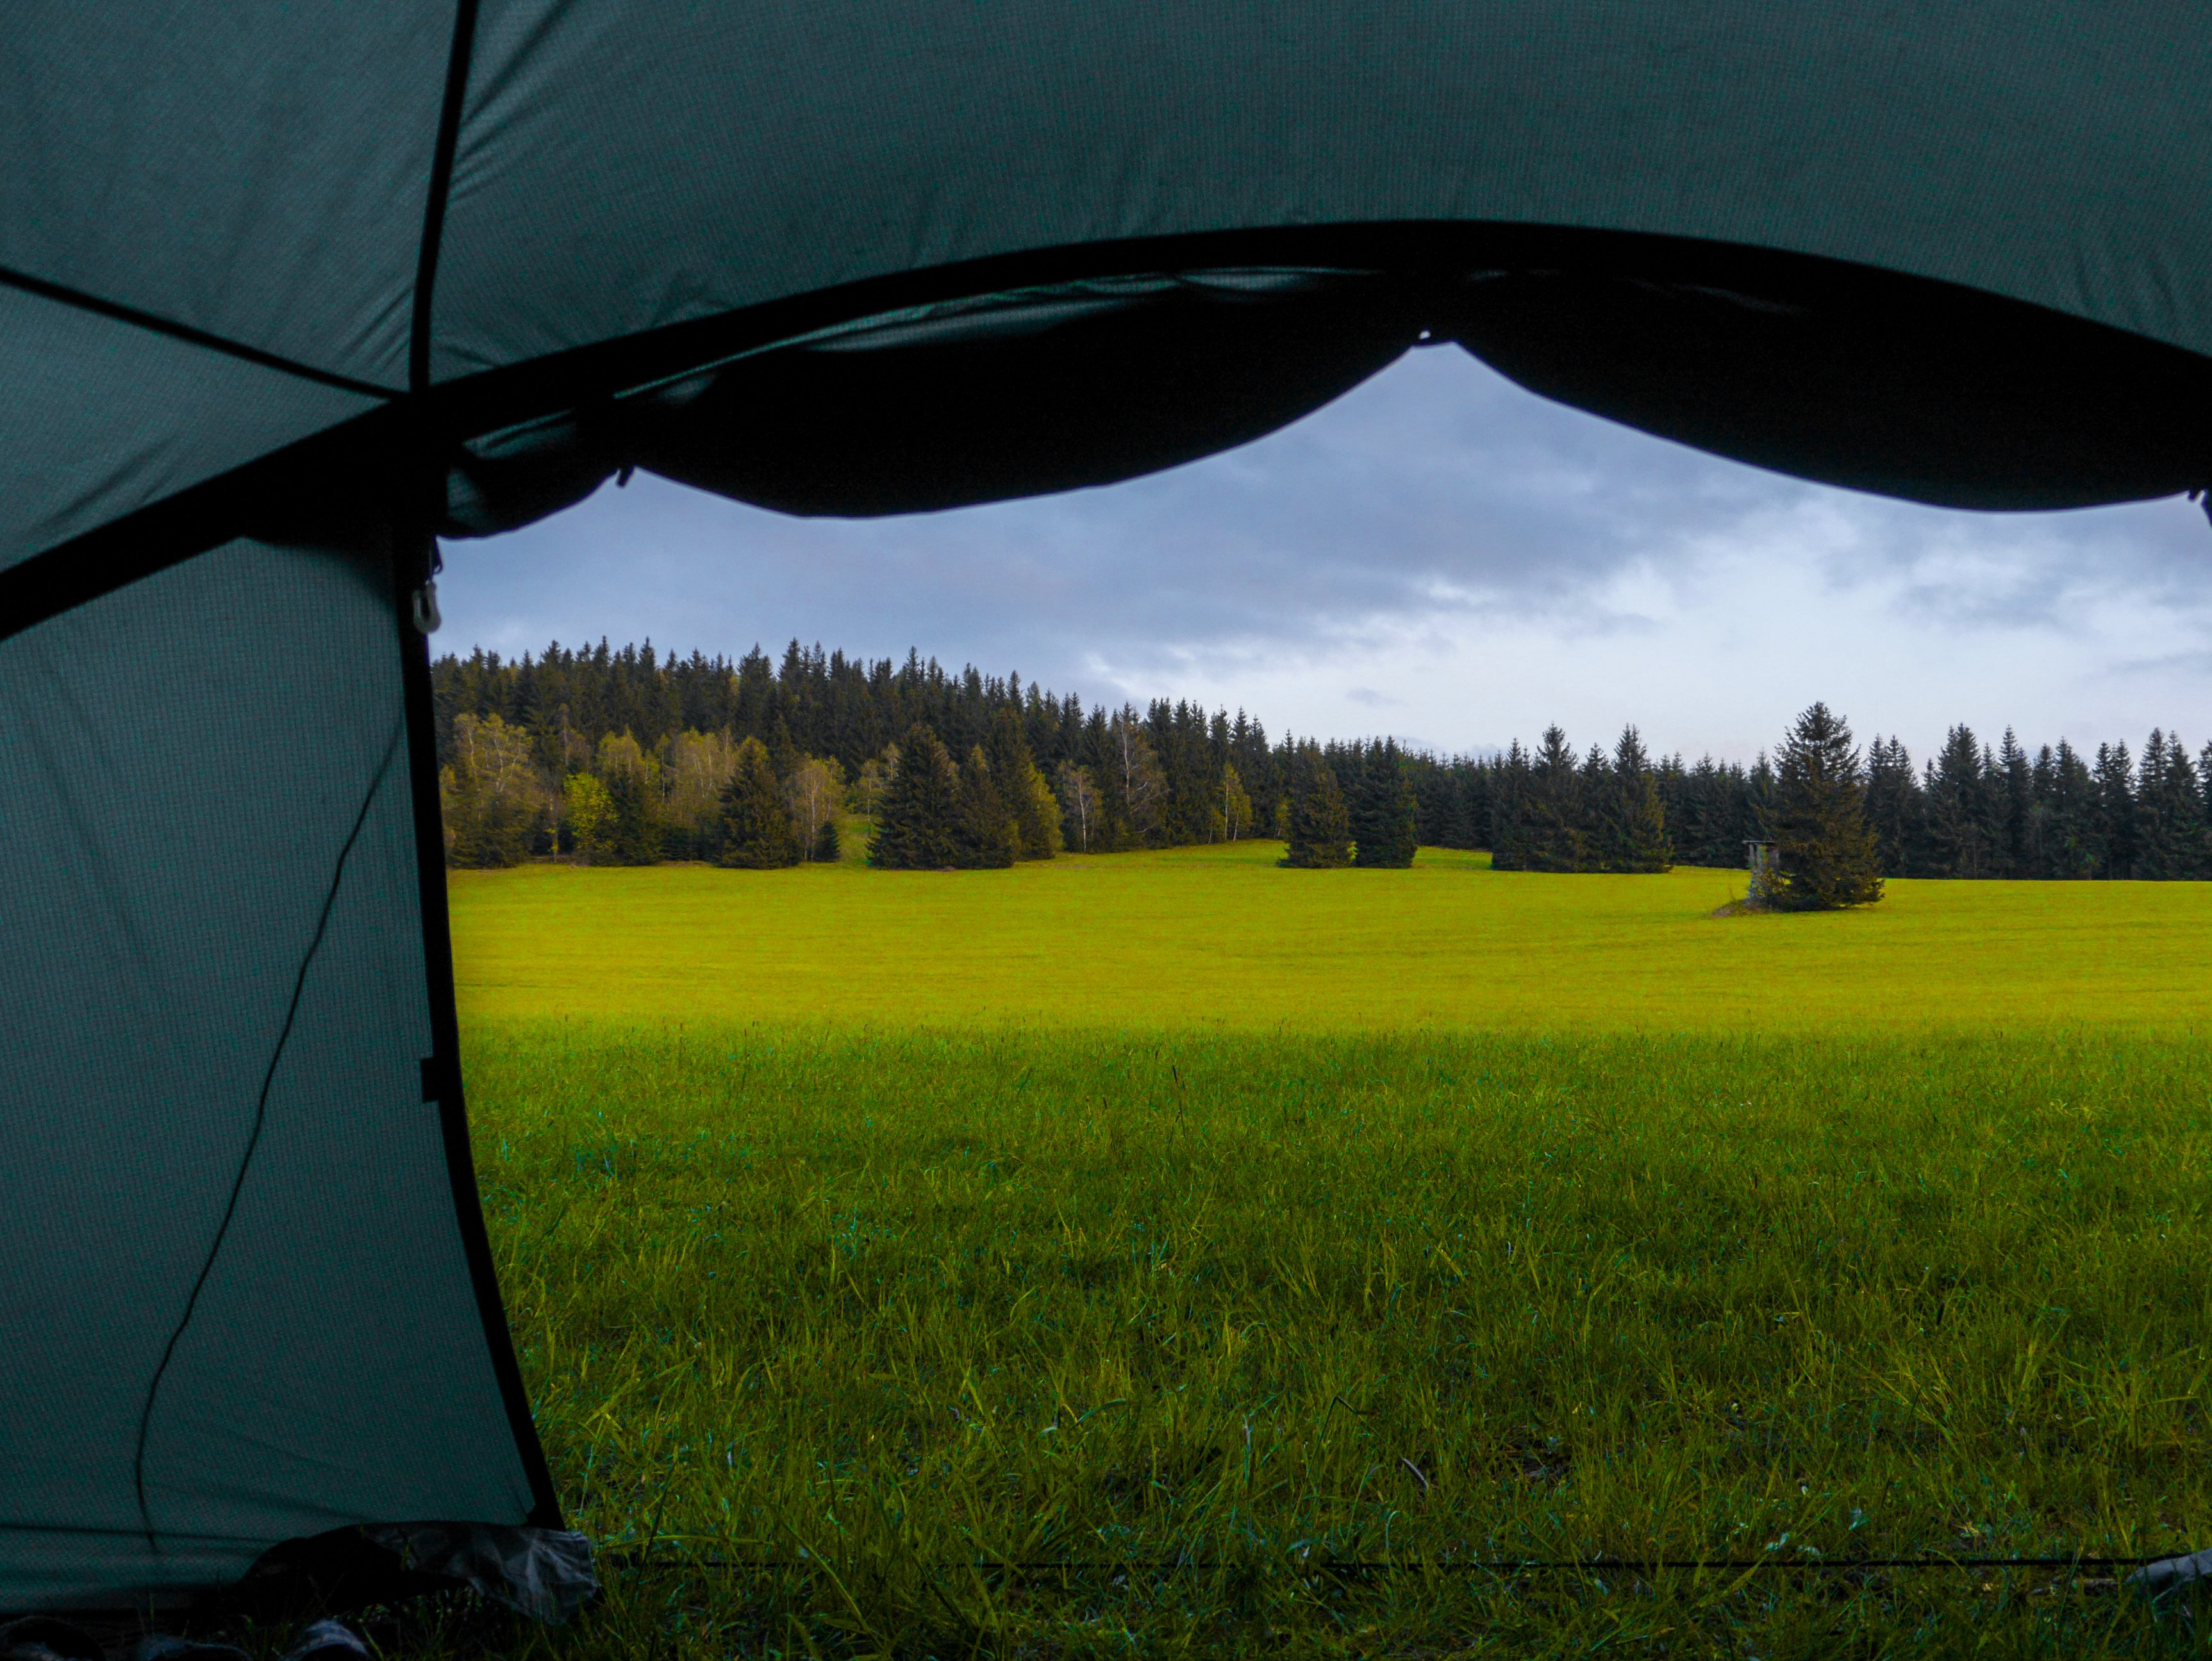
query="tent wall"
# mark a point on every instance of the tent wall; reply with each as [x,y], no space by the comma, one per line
[218,1165]
[507,210]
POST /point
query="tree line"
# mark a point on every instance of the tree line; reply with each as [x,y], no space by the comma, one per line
[625,756]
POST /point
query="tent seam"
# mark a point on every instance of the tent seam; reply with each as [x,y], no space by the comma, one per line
[115,311]
[435,199]
[252,1140]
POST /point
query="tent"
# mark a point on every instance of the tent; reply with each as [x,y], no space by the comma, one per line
[289,290]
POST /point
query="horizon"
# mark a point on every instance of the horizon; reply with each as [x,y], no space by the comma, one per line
[1440,556]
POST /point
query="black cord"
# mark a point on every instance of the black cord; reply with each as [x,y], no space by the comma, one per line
[252,1141]
[1424,1565]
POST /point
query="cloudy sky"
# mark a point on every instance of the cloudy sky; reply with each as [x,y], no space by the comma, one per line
[1438,555]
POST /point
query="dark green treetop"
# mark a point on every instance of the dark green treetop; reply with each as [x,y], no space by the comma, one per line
[915,826]
[1823,842]
[1320,825]
[1631,824]
[1029,800]
[756,831]
[985,836]
[1550,837]
[1384,811]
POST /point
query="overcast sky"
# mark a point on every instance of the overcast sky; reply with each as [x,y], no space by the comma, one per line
[1438,555]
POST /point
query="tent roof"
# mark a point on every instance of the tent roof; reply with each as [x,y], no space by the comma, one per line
[225,230]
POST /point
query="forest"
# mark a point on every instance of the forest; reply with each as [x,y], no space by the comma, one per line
[626,756]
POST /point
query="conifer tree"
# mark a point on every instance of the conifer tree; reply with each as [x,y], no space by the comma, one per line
[984,834]
[2012,787]
[1633,829]
[827,849]
[1509,798]
[1029,799]
[1320,826]
[1549,837]
[1385,821]
[920,808]
[1894,808]
[1825,846]
[1959,810]
[2072,846]
[757,833]
[2115,809]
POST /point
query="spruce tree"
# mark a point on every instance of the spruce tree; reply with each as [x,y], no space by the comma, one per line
[1320,826]
[2012,790]
[629,840]
[1632,830]
[1509,787]
[1961,810]
[2074,847]
[827,849]
[915,826]
[755,831]
[1385,823]
[2115,809]
[1822,840]
[1550,836]
[1028,798]
[1894,808]
[984,835]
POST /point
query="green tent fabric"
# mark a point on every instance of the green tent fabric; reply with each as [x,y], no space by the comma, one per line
[287,289]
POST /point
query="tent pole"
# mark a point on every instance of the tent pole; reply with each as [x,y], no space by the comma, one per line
[414,558]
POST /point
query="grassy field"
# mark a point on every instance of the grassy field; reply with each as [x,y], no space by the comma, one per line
[1167,1254]
[1220,937]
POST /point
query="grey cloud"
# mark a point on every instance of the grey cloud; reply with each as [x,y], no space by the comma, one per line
[1437,489]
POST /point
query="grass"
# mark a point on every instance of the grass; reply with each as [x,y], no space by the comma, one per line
[1219,937]
[1095,1258]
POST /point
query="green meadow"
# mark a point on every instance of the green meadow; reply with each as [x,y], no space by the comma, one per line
[1167,1253]
[1219,937]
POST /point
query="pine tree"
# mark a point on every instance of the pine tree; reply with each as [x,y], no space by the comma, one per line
[915,828]
[1549,837]
[1509,785]
[2072,846]
[2012,787]
[1825,849]
[984,834]
[827,849]
[1894,808]
[1958,817]
[2115,809]
[1028,798]
[757,833]
[1320,826]
[2170,828]
[1632,830]
[1383,816]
